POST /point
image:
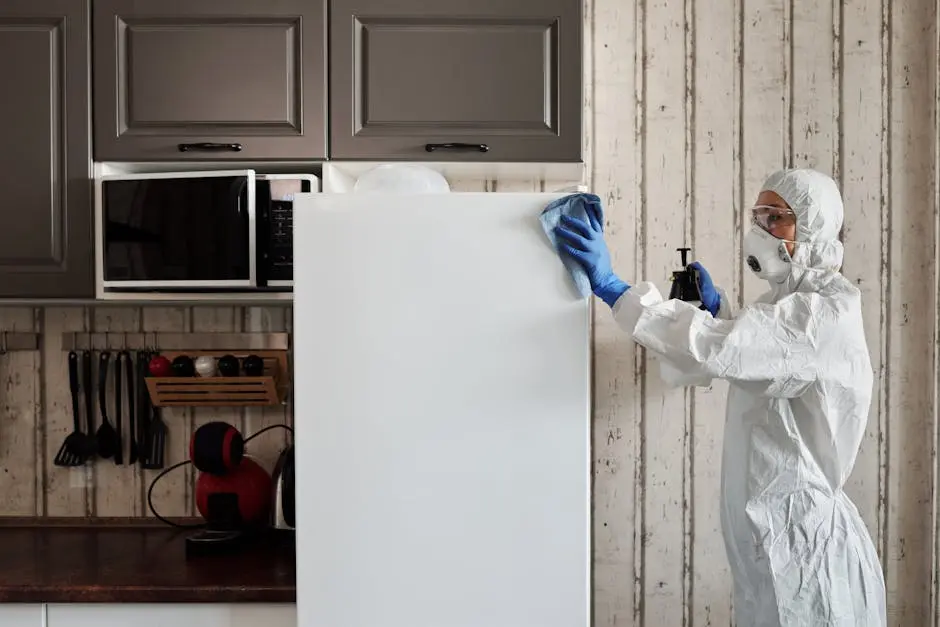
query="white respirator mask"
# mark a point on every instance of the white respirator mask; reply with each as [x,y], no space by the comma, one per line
[766,255]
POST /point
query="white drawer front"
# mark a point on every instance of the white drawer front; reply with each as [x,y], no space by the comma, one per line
[168,615]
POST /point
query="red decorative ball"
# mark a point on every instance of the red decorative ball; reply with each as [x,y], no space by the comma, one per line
[159,366]
[249,481]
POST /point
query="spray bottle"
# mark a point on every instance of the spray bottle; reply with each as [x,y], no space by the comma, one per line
[685,281]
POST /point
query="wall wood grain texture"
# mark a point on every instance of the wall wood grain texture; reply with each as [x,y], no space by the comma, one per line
[688,106]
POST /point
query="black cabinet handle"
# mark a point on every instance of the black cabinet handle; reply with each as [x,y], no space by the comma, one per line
[457,146]
[210,147]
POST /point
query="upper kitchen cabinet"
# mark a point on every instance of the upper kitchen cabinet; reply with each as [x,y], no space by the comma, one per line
[46,221]
[456,80]
[210,80]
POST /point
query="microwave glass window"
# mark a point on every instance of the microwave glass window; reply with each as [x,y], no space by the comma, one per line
[176,229]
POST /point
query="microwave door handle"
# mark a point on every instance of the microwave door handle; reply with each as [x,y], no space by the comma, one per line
[249,197]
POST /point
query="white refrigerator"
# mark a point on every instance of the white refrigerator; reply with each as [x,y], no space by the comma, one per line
[442,414]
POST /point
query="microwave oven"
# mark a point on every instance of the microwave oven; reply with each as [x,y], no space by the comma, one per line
[213,231]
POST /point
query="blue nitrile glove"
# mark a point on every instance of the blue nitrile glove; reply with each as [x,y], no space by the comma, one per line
[585,243]
[710,297]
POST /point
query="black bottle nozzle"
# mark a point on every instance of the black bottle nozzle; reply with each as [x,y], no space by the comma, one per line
[684,252]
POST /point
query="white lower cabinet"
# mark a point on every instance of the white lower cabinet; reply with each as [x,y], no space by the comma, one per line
[163,615]
[21,615]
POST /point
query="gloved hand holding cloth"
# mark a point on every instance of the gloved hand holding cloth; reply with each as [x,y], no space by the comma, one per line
[575,225]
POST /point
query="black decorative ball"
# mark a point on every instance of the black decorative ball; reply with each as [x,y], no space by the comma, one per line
[228,366]
[253,366]
[183,366]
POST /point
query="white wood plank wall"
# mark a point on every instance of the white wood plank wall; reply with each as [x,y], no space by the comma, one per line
[689,105]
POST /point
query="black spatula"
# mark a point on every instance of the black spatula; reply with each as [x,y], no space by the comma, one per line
[77,446]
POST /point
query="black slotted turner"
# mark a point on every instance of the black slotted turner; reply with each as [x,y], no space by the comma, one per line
[77,446]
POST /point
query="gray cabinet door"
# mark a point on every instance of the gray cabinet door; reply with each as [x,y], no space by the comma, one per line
[504,74]
[46,221]
[209,79]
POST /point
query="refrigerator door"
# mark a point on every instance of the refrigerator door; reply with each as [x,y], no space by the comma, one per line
[442,415]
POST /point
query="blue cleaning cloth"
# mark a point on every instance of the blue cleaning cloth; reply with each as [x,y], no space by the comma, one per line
[574,205]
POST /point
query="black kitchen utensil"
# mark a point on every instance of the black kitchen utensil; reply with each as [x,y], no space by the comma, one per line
[152,454]
[157,441]
[119,407]
[143,407]
[143,411]
[108,440]
[88,385]
[133,385]
[77,446]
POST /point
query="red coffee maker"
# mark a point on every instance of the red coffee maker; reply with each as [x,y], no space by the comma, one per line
[233,491]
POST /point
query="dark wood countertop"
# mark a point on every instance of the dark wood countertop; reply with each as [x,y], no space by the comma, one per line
[72,562]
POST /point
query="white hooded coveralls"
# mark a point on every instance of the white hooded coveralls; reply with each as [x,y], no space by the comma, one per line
[800,388]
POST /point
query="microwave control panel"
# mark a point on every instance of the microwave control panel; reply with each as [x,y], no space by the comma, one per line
[278,235]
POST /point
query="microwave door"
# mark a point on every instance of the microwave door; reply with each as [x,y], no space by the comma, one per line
[179,231]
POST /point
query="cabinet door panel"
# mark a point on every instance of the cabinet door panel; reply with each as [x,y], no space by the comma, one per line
[225,72]
[502,73]
[45,165]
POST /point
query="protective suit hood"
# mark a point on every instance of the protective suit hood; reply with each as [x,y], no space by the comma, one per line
[817,204]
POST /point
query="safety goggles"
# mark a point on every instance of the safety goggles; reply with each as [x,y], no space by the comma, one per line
[772,219]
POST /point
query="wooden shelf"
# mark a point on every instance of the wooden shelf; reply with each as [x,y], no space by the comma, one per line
[268,389]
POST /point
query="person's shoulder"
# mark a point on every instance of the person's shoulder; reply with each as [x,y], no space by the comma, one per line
[837,330]
[828,302]
[841,287]
[830,313]
[837,295]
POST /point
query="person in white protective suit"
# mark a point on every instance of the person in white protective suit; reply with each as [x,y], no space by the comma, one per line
[800,386]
